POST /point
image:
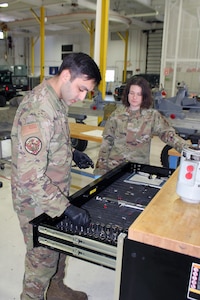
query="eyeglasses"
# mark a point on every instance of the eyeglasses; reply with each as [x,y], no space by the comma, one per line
[135,94]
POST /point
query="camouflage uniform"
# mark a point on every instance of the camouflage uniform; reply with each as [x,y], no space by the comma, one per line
[41,163]
[127,137]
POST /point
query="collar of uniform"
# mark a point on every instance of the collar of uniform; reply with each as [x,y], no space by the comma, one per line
[135,113]
[57,101]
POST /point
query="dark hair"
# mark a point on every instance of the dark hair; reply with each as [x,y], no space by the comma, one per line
[81,64]
[146,91]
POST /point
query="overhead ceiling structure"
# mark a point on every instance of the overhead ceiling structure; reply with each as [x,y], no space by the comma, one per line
[65,16]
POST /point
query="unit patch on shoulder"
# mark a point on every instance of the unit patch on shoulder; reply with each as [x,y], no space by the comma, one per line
[33,145]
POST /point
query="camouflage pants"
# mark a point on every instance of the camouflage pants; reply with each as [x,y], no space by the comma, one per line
[40,265]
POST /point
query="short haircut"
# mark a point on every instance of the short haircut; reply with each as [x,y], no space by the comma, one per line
[146,91]
[80,64]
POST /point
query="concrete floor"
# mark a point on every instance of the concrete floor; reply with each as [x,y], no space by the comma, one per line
[98,282]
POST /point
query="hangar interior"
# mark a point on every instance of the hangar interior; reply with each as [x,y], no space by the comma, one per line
[157,31]
[144,36]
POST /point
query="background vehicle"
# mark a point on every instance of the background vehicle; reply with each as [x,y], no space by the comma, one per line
[153,79]
[7,88]
[11,85]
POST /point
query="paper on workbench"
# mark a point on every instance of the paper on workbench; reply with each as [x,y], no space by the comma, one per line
[97,133]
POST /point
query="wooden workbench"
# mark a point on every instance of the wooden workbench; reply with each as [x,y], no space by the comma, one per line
[86,132]
[168,222]
[173,152]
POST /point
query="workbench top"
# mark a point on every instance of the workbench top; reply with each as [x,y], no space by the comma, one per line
[168,222]
[86,132]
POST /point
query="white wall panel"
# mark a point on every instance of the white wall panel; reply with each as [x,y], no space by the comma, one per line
[115,53]
[181,50]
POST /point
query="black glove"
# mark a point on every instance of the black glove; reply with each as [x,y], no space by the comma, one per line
[77,216]
[82,160]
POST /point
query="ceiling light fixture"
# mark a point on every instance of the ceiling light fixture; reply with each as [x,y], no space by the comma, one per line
[5,4]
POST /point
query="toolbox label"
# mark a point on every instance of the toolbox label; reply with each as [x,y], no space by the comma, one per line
[194,283]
